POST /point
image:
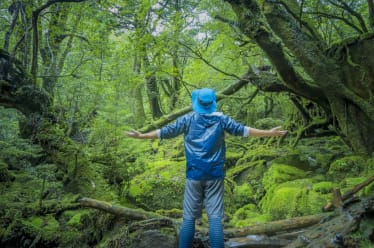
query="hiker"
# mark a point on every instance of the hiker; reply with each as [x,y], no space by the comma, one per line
[204,132]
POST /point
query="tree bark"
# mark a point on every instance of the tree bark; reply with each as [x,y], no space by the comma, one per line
[17,88]
[274,227]
[371,14]
[152,90]
[340,79]
[129,213]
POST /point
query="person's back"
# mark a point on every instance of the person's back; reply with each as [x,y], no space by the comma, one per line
[205,144]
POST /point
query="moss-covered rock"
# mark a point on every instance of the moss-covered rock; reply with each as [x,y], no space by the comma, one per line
[74,218]
[161,186]
[347,166]
[243,194]
[249,173]
[292,199]
[248,215]
[313,154]
[280,173]
[246,171]
[324,187]
[262,152]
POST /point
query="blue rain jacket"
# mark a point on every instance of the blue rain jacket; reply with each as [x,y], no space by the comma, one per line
[204,142]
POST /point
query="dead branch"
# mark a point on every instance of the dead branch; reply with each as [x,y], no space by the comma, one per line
[338,199]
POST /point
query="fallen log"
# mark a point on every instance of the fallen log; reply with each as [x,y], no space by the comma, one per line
[256,242]
[129,213]
[269,228]
[338,199]
[321,230]
[343,229]
[274,227]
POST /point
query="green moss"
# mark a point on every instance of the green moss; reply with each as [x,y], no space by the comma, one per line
[268,123]
[232,157]
[161,186]
[349,183]
[370,166]
[262,152]
[243,194]
[297,159]
[324,187]
[5,175]
[280,173]
[19,153]
[248,215]
[74,218]
[249,173]
[245,171]
[293,198]
[347,167]
[47,227]
[172,213]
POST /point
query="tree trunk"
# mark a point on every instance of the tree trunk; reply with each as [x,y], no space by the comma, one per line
[371,13]
[341,79]
[138,107]
[18,90]
[152,90]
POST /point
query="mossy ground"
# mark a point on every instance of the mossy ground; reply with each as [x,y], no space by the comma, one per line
[263,183]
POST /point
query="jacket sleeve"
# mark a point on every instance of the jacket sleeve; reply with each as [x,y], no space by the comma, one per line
[234,128]
[174,129]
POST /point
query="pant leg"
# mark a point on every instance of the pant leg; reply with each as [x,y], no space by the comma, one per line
[215,209]
[213,192]
[187,233]
[193,199]
[192,209]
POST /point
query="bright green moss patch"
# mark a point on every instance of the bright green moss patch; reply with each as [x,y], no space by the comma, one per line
[161,186]
[248,215]
[245,171]
[324,187]
[279,173]
[75,218]
[262,152]
[292,199]
[347,167]
[232,157]
[172,213]
[243,194]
